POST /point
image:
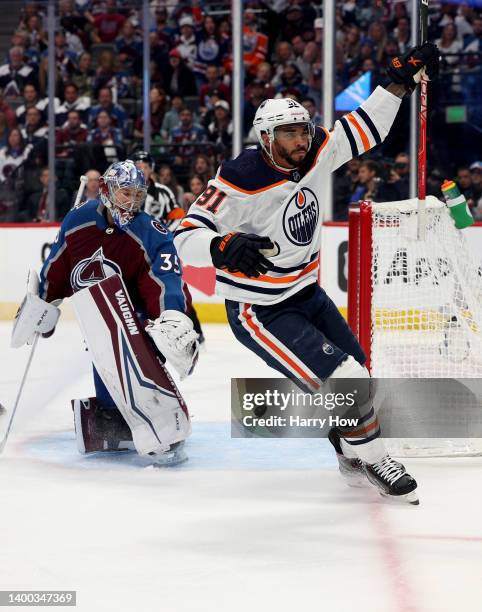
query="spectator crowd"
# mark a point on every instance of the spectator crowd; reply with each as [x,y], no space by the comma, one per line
[98,92]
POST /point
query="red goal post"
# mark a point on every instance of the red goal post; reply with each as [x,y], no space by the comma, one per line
[415,306]
[359,274]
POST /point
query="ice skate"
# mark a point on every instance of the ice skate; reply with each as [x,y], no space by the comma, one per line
[350,468]
[100,429]
[392,480]
[174,456]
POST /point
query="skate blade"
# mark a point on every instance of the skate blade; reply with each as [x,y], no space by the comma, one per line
[356,482]
[355,479]
[170,459]
[410,498]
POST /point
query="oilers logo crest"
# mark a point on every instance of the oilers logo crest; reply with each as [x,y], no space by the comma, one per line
[300,217]
[92,270]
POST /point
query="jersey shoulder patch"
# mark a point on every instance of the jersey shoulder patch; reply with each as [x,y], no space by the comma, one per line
[150,234]
[250,173]
[80,215]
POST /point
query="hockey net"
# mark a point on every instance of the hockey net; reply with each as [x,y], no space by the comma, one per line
[416,306]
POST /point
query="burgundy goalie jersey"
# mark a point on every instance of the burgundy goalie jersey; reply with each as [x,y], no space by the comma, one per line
[87,250]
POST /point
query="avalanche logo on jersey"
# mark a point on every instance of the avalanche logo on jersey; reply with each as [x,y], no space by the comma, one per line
[157,225]
[92,270]
[300,218]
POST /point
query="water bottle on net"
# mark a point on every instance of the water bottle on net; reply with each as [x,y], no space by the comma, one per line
[457,205]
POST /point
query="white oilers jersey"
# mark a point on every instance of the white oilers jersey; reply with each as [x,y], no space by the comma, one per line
[250,195]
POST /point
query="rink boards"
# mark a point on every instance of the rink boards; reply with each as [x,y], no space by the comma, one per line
[23,246]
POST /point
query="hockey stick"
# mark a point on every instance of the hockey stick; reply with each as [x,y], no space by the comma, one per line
[422,144]
[275,250]
[17,399]
[80,192]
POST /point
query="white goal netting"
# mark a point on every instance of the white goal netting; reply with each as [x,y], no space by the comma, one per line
[426,295]
[426,316]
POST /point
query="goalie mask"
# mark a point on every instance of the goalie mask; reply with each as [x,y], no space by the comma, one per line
[123,190]
[273,113]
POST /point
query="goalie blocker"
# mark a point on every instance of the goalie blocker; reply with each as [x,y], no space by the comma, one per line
[130,368]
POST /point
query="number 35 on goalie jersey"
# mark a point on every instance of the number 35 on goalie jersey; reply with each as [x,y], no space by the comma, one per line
[250,195]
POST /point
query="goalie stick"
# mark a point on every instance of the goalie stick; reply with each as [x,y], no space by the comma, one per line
[17,399]
[80,192]
[422,144]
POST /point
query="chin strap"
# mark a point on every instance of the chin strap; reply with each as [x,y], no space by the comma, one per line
[270,155]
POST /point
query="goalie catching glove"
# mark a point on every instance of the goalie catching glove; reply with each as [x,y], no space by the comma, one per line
[175,338]
[237,252]
[34,316]
[408,69]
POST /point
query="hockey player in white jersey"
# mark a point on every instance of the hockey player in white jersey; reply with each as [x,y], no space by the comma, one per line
[268,199]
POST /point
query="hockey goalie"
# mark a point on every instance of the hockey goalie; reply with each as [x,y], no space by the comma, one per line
[122,271]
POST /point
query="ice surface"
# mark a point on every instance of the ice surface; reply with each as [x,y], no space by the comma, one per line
[243,525]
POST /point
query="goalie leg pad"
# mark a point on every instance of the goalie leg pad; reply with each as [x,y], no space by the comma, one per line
[99,429]
[130,368]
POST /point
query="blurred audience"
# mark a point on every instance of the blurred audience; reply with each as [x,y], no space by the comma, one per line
[107,24]
[220,130]
[196,187]
[171,118]
[35,130]
[191,68]
[36,205]
[31,98]
[91,190]
[178,78]
[167,177]
[15,74]
[116,112]
[158,106]
[186,133]
[72,101]
[73,132]
[106,135]
[13,154]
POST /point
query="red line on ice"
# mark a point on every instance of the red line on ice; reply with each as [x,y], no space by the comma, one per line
[404,597]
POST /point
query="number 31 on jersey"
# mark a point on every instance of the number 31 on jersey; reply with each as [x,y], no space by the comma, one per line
[211,199]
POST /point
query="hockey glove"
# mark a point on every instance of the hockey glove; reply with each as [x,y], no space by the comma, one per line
[34,316]
[407,69]
[175,338]
[237,252]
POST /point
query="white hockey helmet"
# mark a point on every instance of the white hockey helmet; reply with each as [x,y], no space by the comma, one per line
[273,113]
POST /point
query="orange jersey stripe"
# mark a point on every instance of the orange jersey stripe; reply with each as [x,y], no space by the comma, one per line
[277,350]
[322,146]
[255,190]
[270,279]
[363,430]
[176,213]
[189,224]
[363,136]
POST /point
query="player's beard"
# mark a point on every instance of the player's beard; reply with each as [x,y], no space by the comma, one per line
[288,158]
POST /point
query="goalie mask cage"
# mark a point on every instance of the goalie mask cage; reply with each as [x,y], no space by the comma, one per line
[416,309]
